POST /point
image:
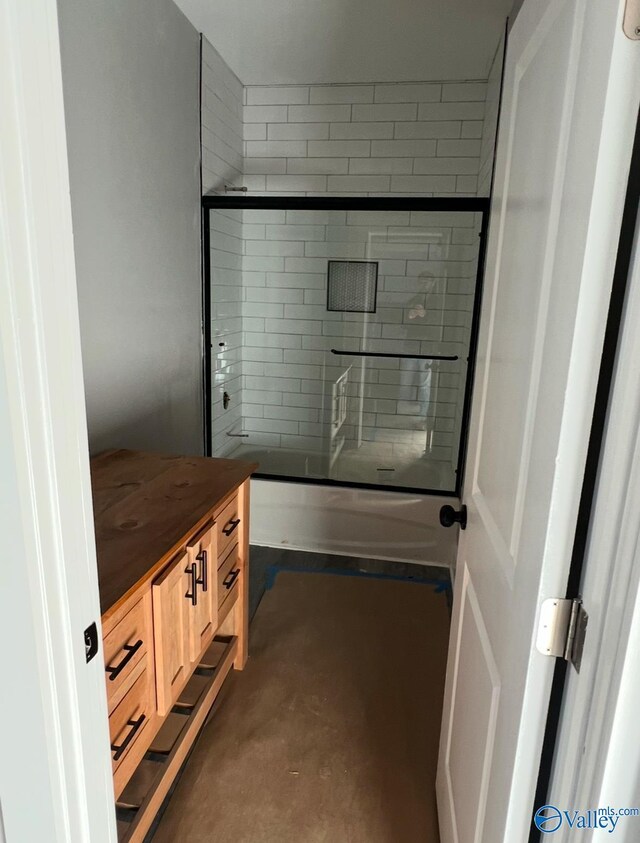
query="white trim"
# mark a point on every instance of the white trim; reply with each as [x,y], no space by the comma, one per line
[598,750]
[55,769]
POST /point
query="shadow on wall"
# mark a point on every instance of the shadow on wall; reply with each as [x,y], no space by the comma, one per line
[156,430]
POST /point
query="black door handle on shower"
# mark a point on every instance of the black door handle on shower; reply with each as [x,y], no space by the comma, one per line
[449,516]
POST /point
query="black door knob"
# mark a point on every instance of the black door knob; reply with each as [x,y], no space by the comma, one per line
[449,516]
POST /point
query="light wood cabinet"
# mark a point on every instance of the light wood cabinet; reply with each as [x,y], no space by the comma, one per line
[172,594]
[203,615]
[172,537]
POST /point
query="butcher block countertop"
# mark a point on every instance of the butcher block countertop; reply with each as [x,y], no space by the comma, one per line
[146,506]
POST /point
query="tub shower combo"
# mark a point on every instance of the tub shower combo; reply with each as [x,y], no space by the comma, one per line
[342,333]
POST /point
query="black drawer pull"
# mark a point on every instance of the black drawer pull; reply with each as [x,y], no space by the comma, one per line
[202,579]
[231,526]
[193,594]
[231,577]
[118,751]
[132,649]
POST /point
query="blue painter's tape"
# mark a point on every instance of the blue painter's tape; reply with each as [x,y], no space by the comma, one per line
[439,586]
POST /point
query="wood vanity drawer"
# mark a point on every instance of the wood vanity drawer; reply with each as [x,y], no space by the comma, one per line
[228,525]
[124,647]
[228,574]
[131,716]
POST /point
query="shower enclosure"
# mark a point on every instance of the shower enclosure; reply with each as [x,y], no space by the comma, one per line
[342,334]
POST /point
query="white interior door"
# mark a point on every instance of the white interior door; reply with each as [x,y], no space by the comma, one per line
[563,156]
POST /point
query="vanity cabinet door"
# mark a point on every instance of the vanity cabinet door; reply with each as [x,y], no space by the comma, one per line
[203,613]
[173,601]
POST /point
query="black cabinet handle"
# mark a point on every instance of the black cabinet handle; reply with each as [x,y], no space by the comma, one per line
[231,577]
[449,516]
[118,751]
[202,579]
[193,594]
[115,670]
[231,526]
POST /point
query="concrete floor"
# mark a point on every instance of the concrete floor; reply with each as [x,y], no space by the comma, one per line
[330,734]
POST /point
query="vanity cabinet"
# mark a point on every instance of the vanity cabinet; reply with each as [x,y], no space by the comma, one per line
[172,537]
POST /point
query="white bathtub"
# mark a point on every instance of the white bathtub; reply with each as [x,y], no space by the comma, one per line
[373,524]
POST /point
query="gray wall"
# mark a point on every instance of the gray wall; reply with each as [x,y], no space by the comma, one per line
[131,88]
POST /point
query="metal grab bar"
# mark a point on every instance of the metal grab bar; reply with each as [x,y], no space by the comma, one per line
[396,356]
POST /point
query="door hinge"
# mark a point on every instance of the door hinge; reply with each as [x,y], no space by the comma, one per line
[562,629]
[631,20]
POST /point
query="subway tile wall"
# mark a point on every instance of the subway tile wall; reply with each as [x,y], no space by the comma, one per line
[427,264]
[421,138]
[272,333]
[222,98]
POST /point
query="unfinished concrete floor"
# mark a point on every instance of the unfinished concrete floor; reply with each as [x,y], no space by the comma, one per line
[330,734]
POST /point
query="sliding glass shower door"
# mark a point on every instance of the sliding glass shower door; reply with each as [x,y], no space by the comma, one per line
[341,341]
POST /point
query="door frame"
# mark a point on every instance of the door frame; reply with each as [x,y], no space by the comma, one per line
[55,769]
[595,715]
[621,347]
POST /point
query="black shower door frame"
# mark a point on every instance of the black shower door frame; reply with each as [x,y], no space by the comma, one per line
[241,201]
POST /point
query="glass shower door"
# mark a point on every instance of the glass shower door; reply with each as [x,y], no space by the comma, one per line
[356,328]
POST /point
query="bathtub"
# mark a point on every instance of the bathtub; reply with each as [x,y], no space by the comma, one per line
[342,520]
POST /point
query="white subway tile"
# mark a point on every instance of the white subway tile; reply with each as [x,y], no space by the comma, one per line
[464,91]
[260,263]
[403,148]
[360,131]
[428,129]
[263,396]
[317,114]
[271,166]
[300,275]
[446,166]
[299,217]
[295,232]
[253,232]
[336,251]
[276,149]
[312,184]
[423,184]
[279,294]
[359,184]
[472,129]
[303,414]
[305,311]
[341,93]
[382,112]
[467,184]
[253,215]
[353,233]
[265,113]
[276,384]
[272,340]
[293,326]
[298,131]
[378,218]
[459,148]
[267,355]
[410,92]
[339,149]
[271,425]
[277,94]
[273,247]
[451,111]
[255,131]
[263,309]
[257,184]
[318,166]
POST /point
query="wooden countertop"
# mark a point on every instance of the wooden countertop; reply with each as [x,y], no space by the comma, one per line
[146,506]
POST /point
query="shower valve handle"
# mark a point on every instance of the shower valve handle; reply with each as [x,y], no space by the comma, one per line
[449,516]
